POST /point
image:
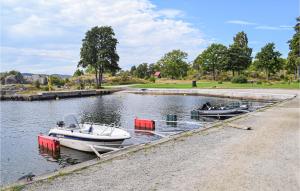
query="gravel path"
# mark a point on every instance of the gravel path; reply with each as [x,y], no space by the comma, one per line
[224,158]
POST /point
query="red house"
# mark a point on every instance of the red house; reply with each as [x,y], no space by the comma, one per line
[157,75]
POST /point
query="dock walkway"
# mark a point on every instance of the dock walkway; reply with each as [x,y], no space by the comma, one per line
[58,95]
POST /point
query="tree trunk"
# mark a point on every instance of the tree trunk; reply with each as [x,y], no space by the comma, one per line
[96,74]
[232,72]
[267,74]
[100,76]
[297,76]
[214,73]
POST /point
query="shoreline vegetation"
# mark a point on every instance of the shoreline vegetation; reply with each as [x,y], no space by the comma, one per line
[177,84]
[20,90]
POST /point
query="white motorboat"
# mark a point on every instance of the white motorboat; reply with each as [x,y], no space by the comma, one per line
[89,136]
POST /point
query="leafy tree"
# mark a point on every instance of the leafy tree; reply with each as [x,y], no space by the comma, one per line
[132,70]
[268,59]
[151,69]
[239,54]
[55,80]
[50,83]
[78,72]
[173,64]
[213,59]
[19,77]
[293,63]
[142,71]
[98,51]
[89,70]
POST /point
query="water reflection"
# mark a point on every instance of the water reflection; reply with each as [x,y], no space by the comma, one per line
[65,156]
[21,122]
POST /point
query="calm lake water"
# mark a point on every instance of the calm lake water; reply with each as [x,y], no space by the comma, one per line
[21,122]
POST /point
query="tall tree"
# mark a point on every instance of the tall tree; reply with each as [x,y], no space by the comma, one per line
[132,70]
[239,53]
[151,69]
[142,70]
[268,59]
[213,59]
[293,63]
[99,51]
[174,64]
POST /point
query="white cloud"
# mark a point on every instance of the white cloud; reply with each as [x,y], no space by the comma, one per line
[171,13]
[286,26]
[240,22]
[266,27]
[144,32]
[34,26]
[260,27]
[43,53]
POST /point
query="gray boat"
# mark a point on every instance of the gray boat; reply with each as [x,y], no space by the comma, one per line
[222,112]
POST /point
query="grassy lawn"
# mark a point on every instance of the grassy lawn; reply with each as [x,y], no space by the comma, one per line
[228,85]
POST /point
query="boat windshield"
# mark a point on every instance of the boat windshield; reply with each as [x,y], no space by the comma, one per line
[70,121]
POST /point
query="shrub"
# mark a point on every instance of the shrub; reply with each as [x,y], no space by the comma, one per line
[152,79]
[239,79]
[57,81]
[37,84]
[120,81]
[220,82]
[259,82]
[45,88]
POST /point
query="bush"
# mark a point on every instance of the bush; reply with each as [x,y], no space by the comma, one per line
[120,81]
[239,79]
[37,84]
[220,82]
[45,88]
[152,79]
[259,82]
[55,80]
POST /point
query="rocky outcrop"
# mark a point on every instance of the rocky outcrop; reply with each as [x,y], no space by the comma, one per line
[12,79]
[42,79]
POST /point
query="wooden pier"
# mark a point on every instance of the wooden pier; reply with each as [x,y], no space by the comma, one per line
[57,95]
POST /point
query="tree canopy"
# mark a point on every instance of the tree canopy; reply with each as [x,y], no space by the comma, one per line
[173,64]
[293,63]
[99,51]
[213,59]
[268,59]
[78,72]
[142,71]
[239,53]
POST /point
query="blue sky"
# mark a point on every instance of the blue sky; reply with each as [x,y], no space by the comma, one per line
[45,36]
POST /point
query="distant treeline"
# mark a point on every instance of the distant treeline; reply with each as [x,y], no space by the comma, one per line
[219,61]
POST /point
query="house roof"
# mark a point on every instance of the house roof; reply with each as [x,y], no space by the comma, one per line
[156,73]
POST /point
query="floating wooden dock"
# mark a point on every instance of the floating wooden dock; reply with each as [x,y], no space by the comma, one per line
[57,95]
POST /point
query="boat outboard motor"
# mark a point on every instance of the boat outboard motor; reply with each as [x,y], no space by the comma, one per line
[206,106]
[91,129]
[60,123]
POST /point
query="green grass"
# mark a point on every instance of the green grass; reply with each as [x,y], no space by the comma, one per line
[15,188]
[228,85]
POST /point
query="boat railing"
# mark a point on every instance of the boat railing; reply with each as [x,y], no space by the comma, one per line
[111,127]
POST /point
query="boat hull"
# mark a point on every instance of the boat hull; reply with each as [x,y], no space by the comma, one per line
[85,145]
